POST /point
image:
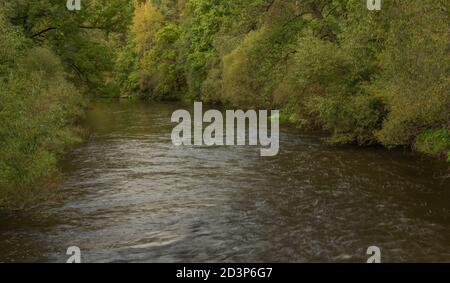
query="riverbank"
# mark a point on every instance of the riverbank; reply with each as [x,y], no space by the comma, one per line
[366,77]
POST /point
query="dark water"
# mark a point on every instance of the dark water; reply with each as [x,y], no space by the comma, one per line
[129,195]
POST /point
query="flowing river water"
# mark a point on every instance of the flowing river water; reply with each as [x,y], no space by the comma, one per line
[129,195]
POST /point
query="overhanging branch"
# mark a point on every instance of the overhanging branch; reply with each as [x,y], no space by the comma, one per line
[43,31]
[54,28]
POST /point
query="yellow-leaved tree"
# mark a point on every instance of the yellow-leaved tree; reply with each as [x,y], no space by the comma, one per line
[147,20]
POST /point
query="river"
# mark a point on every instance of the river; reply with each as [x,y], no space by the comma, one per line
[129,195]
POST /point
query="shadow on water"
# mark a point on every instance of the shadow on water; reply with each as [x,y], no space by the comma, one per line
[129,195]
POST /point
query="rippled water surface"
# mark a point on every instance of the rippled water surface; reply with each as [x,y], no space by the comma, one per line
[129,195]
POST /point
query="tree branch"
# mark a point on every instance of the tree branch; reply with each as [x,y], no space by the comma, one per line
[43,31]
[53,28]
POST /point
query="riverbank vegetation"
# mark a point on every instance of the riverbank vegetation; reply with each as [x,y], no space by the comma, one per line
[365,77]
[50,59]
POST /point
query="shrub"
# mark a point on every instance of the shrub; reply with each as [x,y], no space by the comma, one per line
[434,142]
[414,82]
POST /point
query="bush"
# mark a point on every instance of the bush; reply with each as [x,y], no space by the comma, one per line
[434,142]
[324,88]
[350,119]
[414,82]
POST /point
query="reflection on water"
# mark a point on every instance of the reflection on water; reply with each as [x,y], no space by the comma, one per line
[131,196]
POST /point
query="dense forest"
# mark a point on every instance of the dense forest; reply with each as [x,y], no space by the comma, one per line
[364,77]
